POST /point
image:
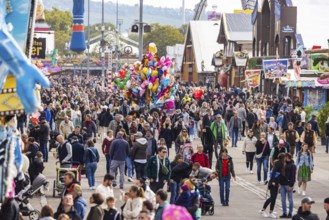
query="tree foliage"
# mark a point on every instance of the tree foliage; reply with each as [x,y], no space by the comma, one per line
[163,36]
[60,22]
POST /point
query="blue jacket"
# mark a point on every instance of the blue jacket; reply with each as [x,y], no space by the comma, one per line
[91,155]
[119,149]
[279,120]
[48,114]
[80,206]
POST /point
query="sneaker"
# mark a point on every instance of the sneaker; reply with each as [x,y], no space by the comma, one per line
[251,172]
[289,216]
[303,193]
[263,213]
[130,179]
[265,182]
[114,184]
[284,216]
[271,215]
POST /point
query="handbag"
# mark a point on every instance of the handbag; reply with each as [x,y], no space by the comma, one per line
[164,169]
[261,154]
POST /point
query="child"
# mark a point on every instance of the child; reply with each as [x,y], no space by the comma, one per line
[111,213]
[205,190]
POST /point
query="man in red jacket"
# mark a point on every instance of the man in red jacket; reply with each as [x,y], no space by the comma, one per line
[200,157]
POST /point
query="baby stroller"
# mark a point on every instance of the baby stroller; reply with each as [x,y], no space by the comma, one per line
[74,167]
[52,141]
[186,151]
[206,200]
[39,185]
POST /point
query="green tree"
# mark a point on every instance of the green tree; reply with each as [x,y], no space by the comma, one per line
[163,36]
[60,22]
[183,29]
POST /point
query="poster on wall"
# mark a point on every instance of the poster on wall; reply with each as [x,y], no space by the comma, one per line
[320,62]
[39,48]
[253,78]
[275,68]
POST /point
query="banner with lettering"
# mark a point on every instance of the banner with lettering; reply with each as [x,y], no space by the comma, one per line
[275,68]
[253,78]
[39,48]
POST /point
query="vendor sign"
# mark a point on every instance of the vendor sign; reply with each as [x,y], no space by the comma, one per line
[253,78]
[275,68]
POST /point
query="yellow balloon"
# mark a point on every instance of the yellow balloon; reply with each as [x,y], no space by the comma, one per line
[150,86]
[153,48]
[145,69]
[155,86]
[154,73]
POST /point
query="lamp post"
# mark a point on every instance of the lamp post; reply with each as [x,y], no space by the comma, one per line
[88,46]
[140,29]
[103,45]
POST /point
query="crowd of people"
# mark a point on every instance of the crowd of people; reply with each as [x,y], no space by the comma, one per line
[136,141]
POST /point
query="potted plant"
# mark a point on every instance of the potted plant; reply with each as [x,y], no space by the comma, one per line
[322,118]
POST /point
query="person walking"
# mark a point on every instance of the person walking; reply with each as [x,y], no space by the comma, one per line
[249,148]
[304,163]
[309,137]
[304,211]
[219,132]
[225,170]
[200,157]
[235,126]
[287,182]
[44,131]
[91,158]
[66,127]
[166,132]
[106,146]
[273,186]
[139,154]
[161,199]
[119,152]
[262,157]
[158,170]
[292,137]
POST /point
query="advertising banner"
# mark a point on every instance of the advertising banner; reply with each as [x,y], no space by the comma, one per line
[39,48]
[253,78]
[275,68]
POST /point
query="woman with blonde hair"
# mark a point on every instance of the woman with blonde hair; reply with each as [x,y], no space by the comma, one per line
[166,132]
[182,139]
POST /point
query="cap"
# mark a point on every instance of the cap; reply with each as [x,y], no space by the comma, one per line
[204,179]
[74,138]
[75,188]
[307,200]
[326,200]
[138,134]
[185,187]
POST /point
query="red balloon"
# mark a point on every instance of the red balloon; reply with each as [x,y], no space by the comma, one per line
[198,93]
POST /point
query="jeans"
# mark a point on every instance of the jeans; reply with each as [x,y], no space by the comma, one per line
[115,164]
[224,200]
[284,193]
[140,169]
[262,161]
[327,144]
[90,172]
[108,163]
[44,149]
[174,192]
[298,147]
[129,165]
[235,136]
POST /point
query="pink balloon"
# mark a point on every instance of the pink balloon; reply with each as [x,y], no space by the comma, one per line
[153,78]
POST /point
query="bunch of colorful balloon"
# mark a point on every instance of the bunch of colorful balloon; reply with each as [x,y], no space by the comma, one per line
[149,82]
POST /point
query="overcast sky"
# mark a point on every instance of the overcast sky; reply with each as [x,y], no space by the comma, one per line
[312,15]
